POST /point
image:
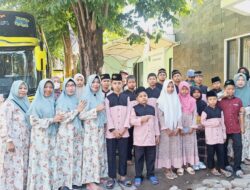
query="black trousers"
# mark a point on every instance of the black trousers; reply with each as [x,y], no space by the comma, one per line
[130,143]
[202,148]
[122,146]
[237,148]
[149,153]
[219,150]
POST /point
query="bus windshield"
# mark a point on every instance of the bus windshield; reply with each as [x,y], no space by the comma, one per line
[17,64]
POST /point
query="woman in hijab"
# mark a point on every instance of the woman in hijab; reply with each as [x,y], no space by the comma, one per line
[242,91]
[95,165]
[57,86]
[68,170]
[79,79]
[245,71]
[14,139]
[170,148]
[43,135]
[189,124]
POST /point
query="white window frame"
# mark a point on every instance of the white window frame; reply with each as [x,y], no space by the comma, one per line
[238,38]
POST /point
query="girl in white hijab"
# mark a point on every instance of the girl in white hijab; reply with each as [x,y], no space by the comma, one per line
[169,153]
[80,85]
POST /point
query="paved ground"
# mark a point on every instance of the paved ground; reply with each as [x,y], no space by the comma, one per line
[188,182]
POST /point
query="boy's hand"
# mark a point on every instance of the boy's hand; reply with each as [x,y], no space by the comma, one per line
[144,119]
[121,133]
[242,130]
[116,134]
[157,140]
[225,94]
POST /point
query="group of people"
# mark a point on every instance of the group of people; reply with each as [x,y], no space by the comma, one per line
[71,136]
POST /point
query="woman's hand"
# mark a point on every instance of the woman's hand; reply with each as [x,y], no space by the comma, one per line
[10,147]
[81,106]
[100,107]
[58,118]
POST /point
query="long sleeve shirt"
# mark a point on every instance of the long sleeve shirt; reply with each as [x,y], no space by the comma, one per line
[215,130]
[117,110]
[144,132]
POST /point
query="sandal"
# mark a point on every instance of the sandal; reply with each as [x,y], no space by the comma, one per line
[174,174]
[215,172]
[180,171]
[190,170]
[110,184]
[239,174]
[246,162]
[229,168]
[138,181]
[125,182]
[154,180]
[64,188]
[226,173]
[169,175]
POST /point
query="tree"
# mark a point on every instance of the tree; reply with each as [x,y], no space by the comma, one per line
[93,17]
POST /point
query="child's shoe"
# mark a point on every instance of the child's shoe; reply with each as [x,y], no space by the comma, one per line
[138,181]
[154,180]
[196,167]
[202,166]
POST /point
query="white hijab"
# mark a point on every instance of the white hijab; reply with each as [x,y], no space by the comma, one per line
[170,105]
[79,90]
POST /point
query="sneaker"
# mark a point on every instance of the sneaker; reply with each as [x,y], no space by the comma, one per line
[138,181]
[196,167]
[154,180]
[202,166]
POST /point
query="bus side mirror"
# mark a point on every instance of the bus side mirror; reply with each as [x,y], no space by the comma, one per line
[41,58]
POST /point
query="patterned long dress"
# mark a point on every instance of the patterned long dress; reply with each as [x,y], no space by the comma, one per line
[189,141]
[94,165]
[69,150]
[42,155]
[246,136]
[169,151]
[13,166]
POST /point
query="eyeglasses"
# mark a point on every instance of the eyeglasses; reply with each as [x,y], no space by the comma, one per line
[70,85]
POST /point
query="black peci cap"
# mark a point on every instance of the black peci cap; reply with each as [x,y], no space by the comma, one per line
[211,93]
[229,82]
[215,79]
[139,90]
[198,73]
[117,77]
[104,76]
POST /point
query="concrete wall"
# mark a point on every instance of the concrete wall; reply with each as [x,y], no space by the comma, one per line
[202,35]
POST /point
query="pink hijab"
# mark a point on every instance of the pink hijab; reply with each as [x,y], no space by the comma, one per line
[188,103]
